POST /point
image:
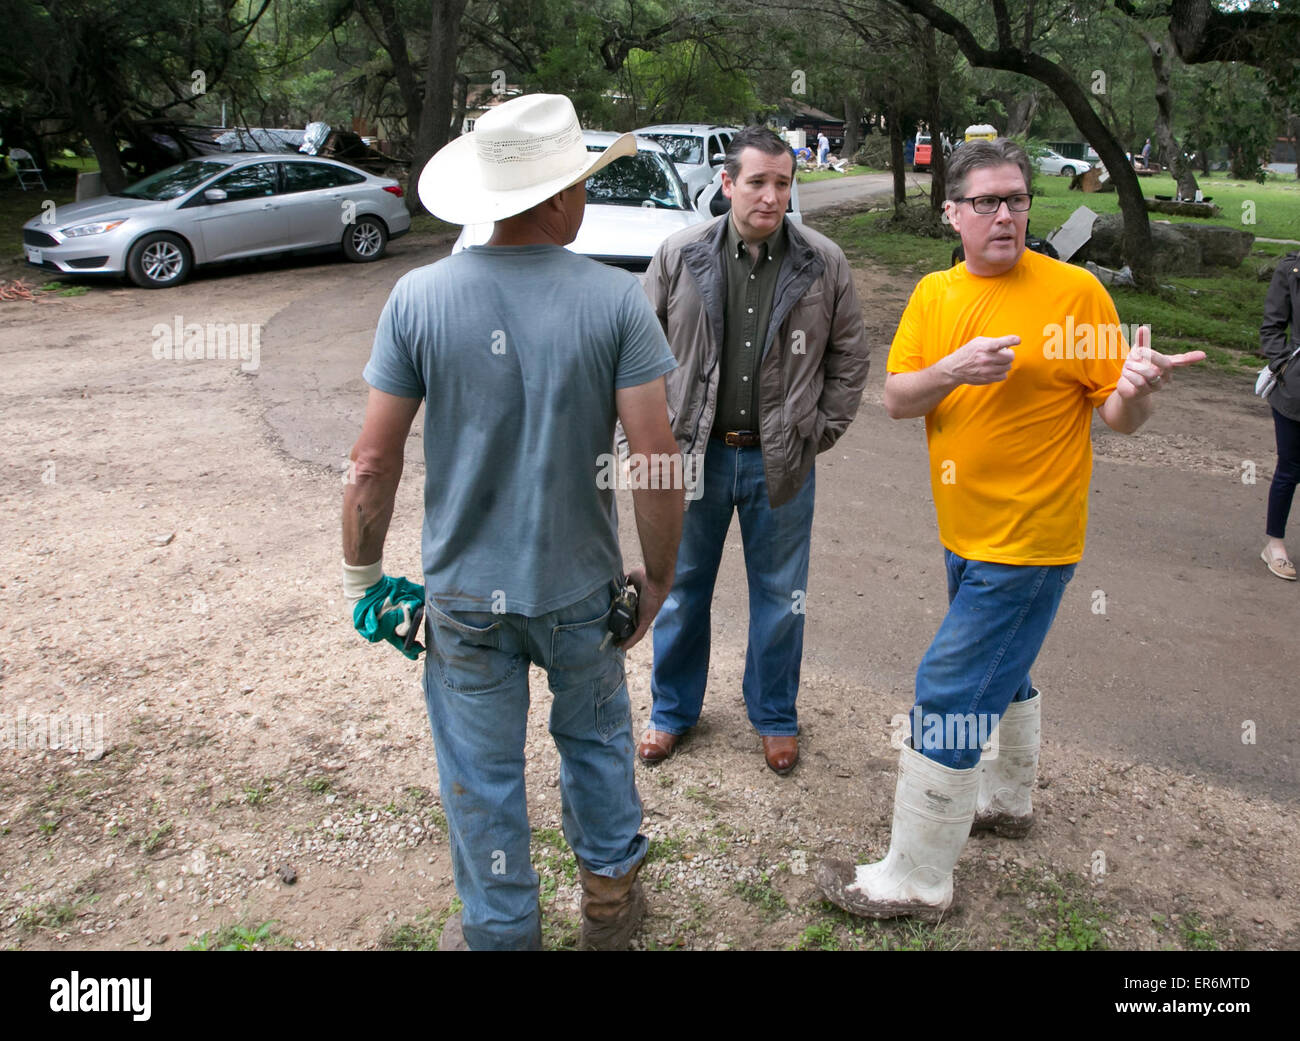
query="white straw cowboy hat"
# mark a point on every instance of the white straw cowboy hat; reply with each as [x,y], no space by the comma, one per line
[520,153]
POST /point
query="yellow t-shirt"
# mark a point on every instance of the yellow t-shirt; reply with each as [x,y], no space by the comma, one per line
[1010,462]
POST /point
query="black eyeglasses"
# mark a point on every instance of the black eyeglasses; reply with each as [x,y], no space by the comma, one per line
[986,204]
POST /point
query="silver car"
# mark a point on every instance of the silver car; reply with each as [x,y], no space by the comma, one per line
[216,208]
[1053,163]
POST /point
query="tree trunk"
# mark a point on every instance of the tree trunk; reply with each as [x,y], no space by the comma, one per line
[434,125]
[461,104]
[104,142]
[1182,169]
[1020,114]
[934,115]
[896,158]
[852,126]
[1293,128]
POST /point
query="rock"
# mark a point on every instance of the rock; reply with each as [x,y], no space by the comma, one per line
[1178,249]
[287,874]
[1183,209]
[1172,252]
[163,540]
[1220,246]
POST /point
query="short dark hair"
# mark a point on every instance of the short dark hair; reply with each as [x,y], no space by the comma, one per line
[760,137]
[977,155]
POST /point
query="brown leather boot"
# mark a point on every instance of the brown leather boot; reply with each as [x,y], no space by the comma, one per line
[612,908]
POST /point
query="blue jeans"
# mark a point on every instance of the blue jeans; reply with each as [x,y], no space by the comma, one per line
[998,617]
[776,545]
[1285,476]
[476,692]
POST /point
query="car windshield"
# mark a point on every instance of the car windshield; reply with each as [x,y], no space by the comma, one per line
[174,181]
[644,179]
[681,148]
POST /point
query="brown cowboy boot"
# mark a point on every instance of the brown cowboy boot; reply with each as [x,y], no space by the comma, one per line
[612,908]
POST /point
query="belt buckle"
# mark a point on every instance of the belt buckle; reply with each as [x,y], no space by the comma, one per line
[731,439]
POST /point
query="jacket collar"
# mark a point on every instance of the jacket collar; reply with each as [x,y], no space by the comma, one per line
[703,259]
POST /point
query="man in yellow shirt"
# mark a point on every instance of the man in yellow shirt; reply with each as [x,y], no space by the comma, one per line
[1006,356]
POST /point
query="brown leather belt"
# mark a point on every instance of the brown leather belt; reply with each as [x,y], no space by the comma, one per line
[737,438]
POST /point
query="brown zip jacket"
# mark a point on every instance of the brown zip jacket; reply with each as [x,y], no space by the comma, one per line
[815,359]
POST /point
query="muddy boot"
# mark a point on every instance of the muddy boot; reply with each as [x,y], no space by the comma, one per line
[612,909]
[1005,805]
[933,807]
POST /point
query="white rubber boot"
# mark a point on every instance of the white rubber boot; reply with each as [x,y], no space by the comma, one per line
[933,807]
[1006,784]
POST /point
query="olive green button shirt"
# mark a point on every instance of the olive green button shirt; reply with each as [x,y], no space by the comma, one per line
[752,269]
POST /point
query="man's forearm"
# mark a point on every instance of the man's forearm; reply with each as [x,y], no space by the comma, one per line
[1125,415]
[912,394]
[659,529]
[367,510]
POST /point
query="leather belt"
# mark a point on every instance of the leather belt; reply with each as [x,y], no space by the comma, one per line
[737,438]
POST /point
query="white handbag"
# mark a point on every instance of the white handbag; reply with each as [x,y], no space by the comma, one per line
[1266,381]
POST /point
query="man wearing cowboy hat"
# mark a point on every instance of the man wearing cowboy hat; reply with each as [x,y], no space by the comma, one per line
[526,355]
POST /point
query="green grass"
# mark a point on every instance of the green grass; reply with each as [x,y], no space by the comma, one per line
[808,176]
[422,934]
[554,862]
[1197,936]
[156,838]
[837,930]
[18,207]
[1219,315]
[429,224]
[54,915]
[1276,204]
[763,895]
[241,938]
[255,794]
[1061,912]
[669,848]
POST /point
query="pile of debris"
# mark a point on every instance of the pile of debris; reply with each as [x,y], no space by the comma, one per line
[166,142]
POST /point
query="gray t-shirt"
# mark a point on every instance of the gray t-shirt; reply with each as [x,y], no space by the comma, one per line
[517,351]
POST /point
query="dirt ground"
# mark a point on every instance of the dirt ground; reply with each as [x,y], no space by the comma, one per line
[169,569]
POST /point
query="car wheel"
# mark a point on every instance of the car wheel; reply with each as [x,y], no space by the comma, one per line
[158,261]
[365,240]
[1067,171]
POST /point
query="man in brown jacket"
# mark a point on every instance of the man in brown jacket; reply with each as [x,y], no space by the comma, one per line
[764,321]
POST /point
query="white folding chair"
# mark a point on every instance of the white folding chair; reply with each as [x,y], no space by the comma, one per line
[29,174]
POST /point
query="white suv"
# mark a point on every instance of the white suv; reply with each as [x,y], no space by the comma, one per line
[692,147]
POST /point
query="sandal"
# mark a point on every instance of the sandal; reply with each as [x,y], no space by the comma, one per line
[1280,566]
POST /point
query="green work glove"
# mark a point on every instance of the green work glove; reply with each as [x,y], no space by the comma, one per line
[384,607]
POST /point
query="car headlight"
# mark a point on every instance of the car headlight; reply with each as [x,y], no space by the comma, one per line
[94,228]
